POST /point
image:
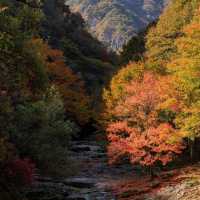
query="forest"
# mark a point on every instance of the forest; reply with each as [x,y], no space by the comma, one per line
[68,103]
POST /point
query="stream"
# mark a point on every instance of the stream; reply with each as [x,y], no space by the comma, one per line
[94,177]
[93,181]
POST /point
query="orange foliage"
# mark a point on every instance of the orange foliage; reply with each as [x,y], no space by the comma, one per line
[116,90]
[137,131]
[71,87]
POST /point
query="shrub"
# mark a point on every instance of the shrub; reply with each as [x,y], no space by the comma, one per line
[42,132]
[20,172]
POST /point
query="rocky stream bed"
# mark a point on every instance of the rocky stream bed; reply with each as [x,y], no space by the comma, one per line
[96,180]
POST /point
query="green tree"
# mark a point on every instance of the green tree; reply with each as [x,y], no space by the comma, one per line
[41,132]
[133,50]
[22,69]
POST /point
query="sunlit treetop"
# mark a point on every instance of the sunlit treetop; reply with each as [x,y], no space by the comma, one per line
[161,38]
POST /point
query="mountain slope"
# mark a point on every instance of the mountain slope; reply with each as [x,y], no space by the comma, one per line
[115,21]
[84,54]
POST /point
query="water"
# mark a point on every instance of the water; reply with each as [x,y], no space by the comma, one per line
[94,178]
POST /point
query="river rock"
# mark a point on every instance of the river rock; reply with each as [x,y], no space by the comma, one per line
[47,191]
[79,182]
[75,198]
[80,148]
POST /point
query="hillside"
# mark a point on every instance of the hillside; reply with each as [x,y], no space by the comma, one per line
[114,22]
[83,53]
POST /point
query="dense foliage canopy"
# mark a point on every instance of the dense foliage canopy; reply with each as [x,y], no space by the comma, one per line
[44,93]
[152,112]
[54,74]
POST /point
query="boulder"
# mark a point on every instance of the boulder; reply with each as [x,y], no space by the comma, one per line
[80,148]
[79,182]
[75,198]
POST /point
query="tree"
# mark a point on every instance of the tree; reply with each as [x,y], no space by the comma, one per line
[32,113]
[185,72]
[71,87]
[160,43]
[116,90]
[22,78]
[133,50]
[22,70]
[137,130]
[77,103]
[41,132]
[83,53]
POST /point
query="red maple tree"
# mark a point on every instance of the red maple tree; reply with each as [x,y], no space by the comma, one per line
[137,131]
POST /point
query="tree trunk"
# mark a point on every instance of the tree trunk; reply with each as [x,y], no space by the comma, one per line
[191,146]
[151,173]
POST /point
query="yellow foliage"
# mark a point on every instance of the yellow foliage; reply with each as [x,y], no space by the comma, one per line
[120,80]
[160,45]
[186,79]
